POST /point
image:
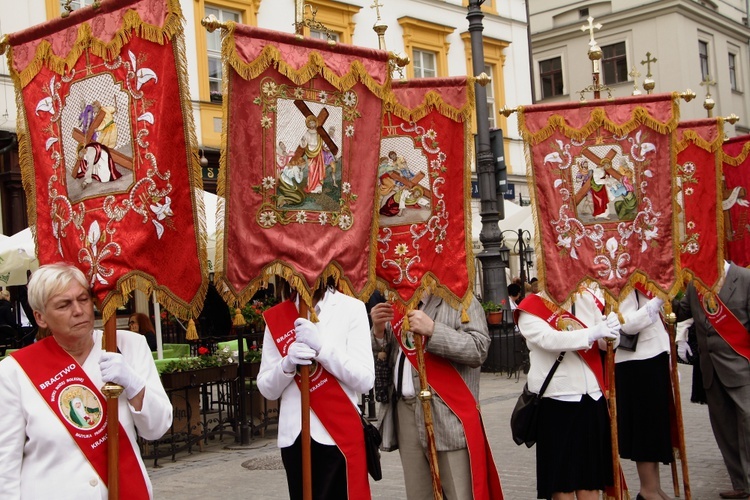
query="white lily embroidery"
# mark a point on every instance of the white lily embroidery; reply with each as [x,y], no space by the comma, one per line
[94,257]
[163,210]
[46,105]
[147,117]
[142,74]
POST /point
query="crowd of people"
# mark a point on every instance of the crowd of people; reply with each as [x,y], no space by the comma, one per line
[63,414]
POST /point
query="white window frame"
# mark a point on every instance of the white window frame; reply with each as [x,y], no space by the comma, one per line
[419,70]
[224,14]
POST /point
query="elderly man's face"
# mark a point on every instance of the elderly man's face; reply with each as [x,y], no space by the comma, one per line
[69,314]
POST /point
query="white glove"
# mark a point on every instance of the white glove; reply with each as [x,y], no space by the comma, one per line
[308,333]
[115,369]
[613,323]
[683,350]
[298,354]
[653,307]
[603,331]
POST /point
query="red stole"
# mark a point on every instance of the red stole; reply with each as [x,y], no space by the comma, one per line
[329,402]
[725,323]
[82,409]
[562,320]
[448,384]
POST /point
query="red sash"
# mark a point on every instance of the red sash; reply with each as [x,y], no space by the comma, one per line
[82,409]
[725,323]
[329,402]
[562,320]
[448,384]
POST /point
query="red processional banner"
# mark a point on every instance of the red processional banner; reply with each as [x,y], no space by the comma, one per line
[735,199]
[698,213]
[424,192]
[107,151]
[299,162]
[602,175]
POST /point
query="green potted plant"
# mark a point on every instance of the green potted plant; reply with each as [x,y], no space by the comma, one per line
[204,368]
[252,357]
[493,311]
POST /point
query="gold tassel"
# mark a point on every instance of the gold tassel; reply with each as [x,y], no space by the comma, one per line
[191,333]
[405,327]
[464,315]
[239,319]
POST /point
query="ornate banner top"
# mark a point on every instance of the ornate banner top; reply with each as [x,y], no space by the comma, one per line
[107,151]
[602,175]
[424,182]
[299,162]
[699,214]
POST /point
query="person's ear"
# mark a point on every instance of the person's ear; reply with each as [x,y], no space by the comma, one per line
[39,317]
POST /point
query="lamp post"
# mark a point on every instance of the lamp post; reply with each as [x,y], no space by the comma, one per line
[525,252]
[493,268]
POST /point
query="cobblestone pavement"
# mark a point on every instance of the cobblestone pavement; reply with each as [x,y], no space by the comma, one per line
[225,471]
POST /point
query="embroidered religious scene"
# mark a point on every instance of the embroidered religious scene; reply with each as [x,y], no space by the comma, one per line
[403,180]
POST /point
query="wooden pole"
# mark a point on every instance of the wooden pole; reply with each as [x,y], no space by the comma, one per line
[112,392]
[425,396]
[671,319]
[613,420]
[675,478]
[304,371]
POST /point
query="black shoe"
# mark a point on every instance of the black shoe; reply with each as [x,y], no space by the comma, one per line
[734,494]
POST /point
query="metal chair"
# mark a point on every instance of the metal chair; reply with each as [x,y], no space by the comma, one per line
[8,338]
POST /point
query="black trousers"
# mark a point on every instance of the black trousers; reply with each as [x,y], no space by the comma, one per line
[328,471]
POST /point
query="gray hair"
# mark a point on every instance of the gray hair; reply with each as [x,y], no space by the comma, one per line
[50,280]
[5,295]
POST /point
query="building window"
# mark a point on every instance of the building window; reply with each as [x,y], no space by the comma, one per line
[322,35]
[425,63]
[614,63]
[427,46]
[336,16]
[703,54]
[583,13]
[550,74]
[75,4]
[491,110]
[733,71]
[213,47]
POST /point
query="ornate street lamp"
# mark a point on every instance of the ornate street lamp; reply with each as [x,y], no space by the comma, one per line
[495,288]
[522,247]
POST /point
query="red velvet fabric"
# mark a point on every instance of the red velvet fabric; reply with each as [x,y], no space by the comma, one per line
[428,240]
[699,186]
[302,234]
[633,239]
[738,236]
[142,223]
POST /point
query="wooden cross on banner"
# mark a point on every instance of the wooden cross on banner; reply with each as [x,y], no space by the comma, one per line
[605,163]
[320,119]
[84,139]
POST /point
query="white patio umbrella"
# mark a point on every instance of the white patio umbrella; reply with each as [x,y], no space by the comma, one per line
[17,255]
[211,202]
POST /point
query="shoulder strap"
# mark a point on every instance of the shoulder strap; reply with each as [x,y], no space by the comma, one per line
[551,372]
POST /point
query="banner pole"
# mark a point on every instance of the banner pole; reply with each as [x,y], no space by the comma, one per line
[305,408]
[671,320]
[112,392]
[613,421]
[425,396]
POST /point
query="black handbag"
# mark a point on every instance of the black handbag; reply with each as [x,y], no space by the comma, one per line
[628,342]
[524,419]
[372,448]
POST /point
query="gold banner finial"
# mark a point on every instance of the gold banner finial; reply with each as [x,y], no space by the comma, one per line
[212,24]
[483,79]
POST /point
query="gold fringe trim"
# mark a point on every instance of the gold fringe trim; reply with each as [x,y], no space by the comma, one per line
[464,315]
[239,319]
[191,333]
[692,137]
[433,100]
[736,161]
[131,21]
[598,119]
[315,66]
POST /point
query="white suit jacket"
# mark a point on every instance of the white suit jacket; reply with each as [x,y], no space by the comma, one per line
[38,457]
[573,377]
[346,354]
[653,338]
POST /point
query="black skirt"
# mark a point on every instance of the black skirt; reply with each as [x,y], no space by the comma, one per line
[644,391]
[573,449]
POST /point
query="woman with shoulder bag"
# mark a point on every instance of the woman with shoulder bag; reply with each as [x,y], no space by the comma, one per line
[573,450]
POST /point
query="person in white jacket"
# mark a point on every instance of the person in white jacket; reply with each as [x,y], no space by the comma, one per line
[644,389]
[51,430]
[573,445]
[340,343]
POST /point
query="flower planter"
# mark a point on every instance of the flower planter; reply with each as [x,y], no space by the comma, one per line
[253,368]
[494,318]
[193,378]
